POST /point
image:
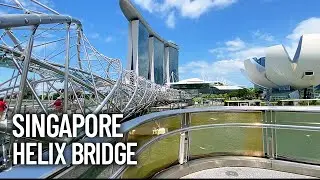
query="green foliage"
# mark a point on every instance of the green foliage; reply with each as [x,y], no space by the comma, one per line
[212,96]
[314,103]
[250,93]
[279,103]
[303,103]
[44,96]
[27,92]
[55,96]
[197,99]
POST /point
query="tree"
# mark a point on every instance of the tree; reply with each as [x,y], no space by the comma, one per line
[55,96]
[27,91]
[250,93]
[253,92]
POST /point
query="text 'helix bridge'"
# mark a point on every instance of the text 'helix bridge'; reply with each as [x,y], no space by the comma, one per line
[45,55]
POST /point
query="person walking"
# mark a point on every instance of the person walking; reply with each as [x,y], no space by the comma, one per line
[3,107]
[58,104]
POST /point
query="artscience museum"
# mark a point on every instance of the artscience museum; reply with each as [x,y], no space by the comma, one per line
[278,71]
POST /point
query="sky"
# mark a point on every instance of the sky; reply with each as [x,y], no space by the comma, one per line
[214,36]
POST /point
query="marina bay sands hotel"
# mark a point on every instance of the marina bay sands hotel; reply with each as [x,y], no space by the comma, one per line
[149,55]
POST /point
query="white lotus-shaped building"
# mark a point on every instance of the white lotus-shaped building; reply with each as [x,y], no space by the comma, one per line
[277,69]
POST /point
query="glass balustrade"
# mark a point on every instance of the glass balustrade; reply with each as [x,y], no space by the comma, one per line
[303,146]
[284,135]
[149,130]
[150,160]
[234,140]
[176,137]
[156,157]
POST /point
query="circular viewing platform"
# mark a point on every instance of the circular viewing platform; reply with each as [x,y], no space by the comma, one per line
[237,167]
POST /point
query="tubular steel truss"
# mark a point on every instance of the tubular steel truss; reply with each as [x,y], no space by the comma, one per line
[48,55]
[45,55]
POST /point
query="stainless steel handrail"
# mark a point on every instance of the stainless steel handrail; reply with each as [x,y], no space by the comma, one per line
[127,126]
[192,128]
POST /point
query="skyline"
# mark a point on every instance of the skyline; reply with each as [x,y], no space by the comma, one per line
[206,52]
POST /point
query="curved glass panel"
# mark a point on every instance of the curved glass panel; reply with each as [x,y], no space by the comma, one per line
[226,141]
[93,172]
[223,141]
[292,144]
[158,156]
[306,146]
[148,131]
[203,118]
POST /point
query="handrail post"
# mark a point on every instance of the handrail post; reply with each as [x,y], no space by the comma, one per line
[184,139]
[273,136]
[182,148]
[269,138]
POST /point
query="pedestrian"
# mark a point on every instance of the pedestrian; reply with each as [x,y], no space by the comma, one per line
[58,104]
[3,107]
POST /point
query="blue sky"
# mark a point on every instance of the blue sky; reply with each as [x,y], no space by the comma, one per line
[214,36]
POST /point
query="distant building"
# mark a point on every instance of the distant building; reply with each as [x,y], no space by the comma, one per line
[173,60]
[277,70]
[149,55]
[196,86]
[261,61]
[283,75]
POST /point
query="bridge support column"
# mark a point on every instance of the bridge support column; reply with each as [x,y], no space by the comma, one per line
[66,75]
[24,74]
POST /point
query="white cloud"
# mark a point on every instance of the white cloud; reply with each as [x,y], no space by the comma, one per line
[108,39]
[214,70]
[149,5]
[186,8]
[255,51]
[222,67]
[263,36]
[94,35]
[195,8]
[233,52]
[98,36]
[237,49]
[171,20]
[235,44]
[308,26]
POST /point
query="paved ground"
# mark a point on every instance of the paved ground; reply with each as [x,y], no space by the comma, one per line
[242,173]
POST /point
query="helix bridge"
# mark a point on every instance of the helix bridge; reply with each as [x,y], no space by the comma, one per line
[45,55]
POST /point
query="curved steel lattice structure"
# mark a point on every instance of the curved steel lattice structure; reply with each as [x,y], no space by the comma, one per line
[280,70]
[45,55]
[48,55]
